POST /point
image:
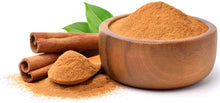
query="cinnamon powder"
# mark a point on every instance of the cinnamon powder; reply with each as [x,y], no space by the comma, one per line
[158,21]
[72,68]
[96,86]
[72,76]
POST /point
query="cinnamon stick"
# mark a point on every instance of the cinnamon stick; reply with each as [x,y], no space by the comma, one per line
[36,74]
[59,42]
[36,67]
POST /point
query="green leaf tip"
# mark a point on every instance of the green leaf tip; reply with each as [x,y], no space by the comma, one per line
[95,16]
[77,27]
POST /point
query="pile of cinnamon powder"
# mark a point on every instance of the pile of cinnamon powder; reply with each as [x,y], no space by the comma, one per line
[98,85]
[158,21]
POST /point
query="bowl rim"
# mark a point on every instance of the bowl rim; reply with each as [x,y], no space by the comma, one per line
[104,28]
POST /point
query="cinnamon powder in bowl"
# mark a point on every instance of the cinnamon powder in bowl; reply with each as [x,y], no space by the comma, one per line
[158,21]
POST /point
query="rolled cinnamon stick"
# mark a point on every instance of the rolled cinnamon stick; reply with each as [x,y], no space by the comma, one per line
[36,67]
[59,42]
[35,74]
[36,62]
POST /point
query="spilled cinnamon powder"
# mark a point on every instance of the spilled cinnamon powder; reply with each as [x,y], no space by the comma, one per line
[158,21]
[96,86]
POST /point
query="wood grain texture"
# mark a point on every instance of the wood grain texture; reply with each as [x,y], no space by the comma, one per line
[157,64]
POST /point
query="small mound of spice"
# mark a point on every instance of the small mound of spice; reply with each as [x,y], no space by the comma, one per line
[158,21]
[72,68]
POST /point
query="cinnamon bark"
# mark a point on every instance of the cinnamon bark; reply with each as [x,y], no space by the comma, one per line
[59,42]
[36,74]
[95,60]
[36,67]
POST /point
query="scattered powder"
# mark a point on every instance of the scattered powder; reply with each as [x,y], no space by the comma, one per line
[72,68]
[96,86]
[158,21]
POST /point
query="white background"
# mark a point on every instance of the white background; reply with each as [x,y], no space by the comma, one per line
[18,18]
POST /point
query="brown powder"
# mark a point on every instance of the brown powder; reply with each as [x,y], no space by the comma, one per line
[72,68]
[158,21]
[77,69]
[98,85]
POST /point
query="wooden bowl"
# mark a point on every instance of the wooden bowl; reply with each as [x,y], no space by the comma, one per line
[157,64]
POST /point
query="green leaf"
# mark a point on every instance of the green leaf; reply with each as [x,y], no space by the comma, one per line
[95,16]
[78,27]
